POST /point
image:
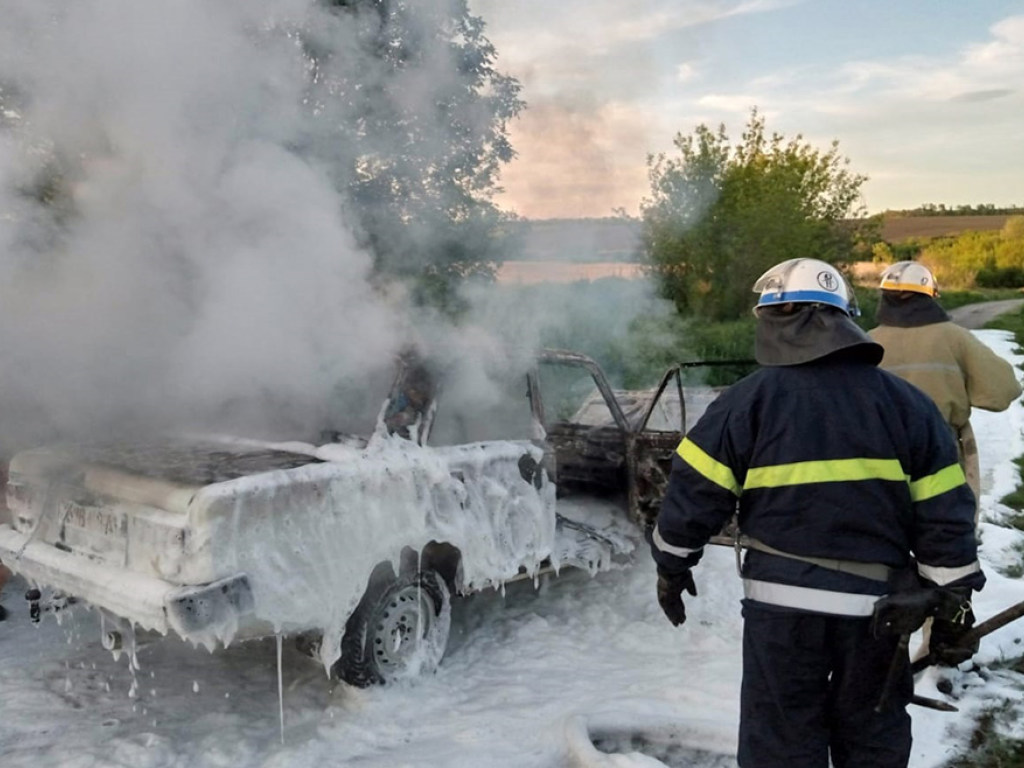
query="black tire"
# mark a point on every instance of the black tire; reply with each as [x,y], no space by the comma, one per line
[399,630]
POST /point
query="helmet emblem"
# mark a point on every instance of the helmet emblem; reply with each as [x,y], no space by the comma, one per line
[828,281]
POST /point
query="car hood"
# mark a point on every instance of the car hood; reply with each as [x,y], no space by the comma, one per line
[165,475]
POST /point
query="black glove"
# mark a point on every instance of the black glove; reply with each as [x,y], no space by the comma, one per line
[946,640]
[670,594]
[901,613]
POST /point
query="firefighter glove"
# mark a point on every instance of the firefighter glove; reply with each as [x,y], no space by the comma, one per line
[946,642]
[902,613]
[670,594]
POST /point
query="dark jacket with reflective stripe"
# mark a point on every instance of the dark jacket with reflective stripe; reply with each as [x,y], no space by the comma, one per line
[834,458]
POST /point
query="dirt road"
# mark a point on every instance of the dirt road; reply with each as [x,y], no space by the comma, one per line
[974,316]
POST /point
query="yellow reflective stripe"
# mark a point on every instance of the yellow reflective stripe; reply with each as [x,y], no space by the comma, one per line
[714,470]
[933,485]
[826,471]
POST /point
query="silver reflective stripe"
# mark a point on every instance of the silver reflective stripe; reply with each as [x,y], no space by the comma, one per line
[943,576]
[664,546]
[820,600]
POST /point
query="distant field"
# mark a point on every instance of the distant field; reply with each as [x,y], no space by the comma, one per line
[530,272]
[533,272]
[569,250]
[896,229]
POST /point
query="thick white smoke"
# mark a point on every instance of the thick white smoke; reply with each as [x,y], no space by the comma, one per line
[190,264]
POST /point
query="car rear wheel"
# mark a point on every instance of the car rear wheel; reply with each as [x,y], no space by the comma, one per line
[399,630]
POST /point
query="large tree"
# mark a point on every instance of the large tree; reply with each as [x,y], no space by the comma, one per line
[720,213]
[422,117]
[402,107]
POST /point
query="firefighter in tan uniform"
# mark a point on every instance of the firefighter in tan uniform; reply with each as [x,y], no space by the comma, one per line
[944,360]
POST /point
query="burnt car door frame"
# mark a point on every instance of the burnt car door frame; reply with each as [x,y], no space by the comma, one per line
[642,455]
[650,454]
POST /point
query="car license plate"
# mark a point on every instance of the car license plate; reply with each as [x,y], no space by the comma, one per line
[93,530]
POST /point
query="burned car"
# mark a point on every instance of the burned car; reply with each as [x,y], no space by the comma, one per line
[359,543]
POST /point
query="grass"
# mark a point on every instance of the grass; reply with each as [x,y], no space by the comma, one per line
[1016,521]
[1015,499]
[1016,570]
[1013,322]
[989,747]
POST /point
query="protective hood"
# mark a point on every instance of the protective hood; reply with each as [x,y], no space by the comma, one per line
[810,333]
[909,310]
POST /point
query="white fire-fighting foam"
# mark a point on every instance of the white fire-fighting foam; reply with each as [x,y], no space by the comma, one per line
[308,538]
[305,538]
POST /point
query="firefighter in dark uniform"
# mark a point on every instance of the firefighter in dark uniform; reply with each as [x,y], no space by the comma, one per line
[840,474]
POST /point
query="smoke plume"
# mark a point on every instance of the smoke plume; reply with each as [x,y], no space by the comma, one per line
[172,243]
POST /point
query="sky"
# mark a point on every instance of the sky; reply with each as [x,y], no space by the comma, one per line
[923,96]
[534,676]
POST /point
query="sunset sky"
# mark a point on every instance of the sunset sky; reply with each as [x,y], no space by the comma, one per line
[924,96]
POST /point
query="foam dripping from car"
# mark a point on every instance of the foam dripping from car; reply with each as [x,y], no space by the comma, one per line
[280,687]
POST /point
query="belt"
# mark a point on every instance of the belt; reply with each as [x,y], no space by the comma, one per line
[872,571]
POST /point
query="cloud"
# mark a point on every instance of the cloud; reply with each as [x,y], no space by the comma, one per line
[986,95]
[685,72]
[557,47]
[1004,51]
[990,66]
[607,21]
[736,103]
[576,160]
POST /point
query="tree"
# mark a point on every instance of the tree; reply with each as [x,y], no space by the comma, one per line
[422,117]
[719,215]
[401,107]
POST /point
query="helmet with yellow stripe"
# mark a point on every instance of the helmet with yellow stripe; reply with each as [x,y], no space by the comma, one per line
[909,276]
[805,281]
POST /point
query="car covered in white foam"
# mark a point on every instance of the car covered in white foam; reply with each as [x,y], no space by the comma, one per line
[358,543]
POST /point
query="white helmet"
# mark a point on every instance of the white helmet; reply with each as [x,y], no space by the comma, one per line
[805,281]
[909,276]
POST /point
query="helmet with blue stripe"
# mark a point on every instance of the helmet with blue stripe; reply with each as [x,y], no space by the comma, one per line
[805,281]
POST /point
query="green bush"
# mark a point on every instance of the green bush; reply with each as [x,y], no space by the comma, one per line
[722,212]
[1000,277]
[1013,322]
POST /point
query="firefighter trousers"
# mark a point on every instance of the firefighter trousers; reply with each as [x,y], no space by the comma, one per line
[810,687]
